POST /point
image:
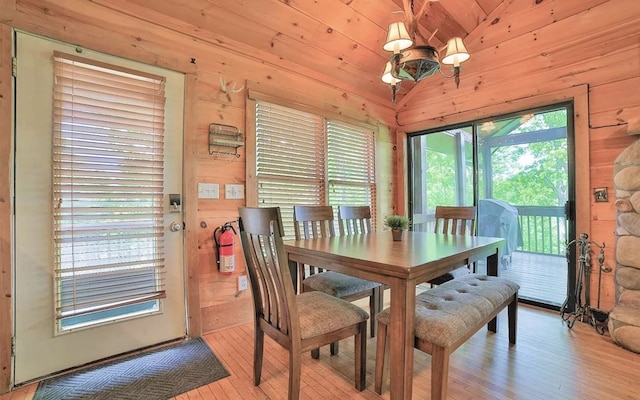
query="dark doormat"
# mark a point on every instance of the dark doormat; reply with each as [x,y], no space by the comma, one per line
[156,375]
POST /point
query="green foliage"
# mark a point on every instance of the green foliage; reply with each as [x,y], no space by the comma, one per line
[532,174]
[397,222]
[539,181]
[526,167]
[441,175]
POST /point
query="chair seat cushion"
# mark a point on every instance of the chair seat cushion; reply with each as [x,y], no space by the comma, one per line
[446,313]
[337,284]
[321,313]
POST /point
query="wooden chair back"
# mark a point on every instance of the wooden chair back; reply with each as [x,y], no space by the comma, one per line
[261,233]
[312,222]
[456,220]
[354,220]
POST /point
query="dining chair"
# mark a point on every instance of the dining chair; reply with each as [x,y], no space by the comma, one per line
[455,220]
[298,323]
[354,220]
[317,221]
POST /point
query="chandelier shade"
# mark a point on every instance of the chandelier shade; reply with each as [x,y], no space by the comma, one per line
[387,76]
[398,38]
[456,52]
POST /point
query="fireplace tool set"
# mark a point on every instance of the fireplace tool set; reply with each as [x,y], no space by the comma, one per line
[583,311]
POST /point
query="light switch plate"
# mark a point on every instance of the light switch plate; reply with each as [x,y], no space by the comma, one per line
[233,191]
[208,191]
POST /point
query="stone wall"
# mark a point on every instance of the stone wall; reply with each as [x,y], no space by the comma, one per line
[624,319]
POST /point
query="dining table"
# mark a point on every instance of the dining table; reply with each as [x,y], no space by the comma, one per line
[401,265]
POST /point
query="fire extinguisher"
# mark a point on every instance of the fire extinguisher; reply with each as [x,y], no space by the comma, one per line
[223,236]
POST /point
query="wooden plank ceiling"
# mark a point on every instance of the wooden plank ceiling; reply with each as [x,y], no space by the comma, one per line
[335,41]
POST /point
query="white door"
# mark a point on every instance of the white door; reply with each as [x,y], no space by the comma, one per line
[43,345]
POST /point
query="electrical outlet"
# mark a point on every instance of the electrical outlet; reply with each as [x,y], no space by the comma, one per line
[242,282]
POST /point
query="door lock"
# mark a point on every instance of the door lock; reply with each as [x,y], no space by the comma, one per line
[174,203]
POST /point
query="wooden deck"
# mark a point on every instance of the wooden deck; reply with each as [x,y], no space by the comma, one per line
[542,278]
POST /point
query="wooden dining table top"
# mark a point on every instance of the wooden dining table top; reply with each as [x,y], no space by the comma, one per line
[419,255]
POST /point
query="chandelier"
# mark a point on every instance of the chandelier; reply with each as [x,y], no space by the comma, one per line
[413,62]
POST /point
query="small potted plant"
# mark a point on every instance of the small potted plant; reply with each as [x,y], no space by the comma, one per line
[397,223]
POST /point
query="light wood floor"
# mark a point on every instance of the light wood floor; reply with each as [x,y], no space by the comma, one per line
[549,361]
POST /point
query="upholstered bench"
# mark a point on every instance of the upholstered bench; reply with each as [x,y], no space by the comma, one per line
[447,316]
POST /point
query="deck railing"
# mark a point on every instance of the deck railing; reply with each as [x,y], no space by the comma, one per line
[543,229]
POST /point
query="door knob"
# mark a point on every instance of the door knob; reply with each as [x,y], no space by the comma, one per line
[176,227]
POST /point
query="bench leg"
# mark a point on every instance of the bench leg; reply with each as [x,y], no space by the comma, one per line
[512,312]
[493,325]
[381,344]
[439,372]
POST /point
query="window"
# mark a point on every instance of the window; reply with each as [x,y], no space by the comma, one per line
[108,189]
[304,158]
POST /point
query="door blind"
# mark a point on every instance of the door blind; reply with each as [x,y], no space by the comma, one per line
[108,161]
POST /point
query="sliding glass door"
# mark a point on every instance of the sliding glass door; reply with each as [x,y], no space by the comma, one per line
[516,169]
[442,173]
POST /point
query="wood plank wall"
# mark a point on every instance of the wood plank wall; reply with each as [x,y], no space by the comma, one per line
[527,49]
[122,28]
[6,160]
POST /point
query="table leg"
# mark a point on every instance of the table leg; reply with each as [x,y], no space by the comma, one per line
[401,332]
[293,270]
[492,264]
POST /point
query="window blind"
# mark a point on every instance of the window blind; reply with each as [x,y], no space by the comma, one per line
[305,159]
[108,160]
[351,165]
[290,159]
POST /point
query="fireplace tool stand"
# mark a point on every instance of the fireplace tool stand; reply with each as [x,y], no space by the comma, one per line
[583,311]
